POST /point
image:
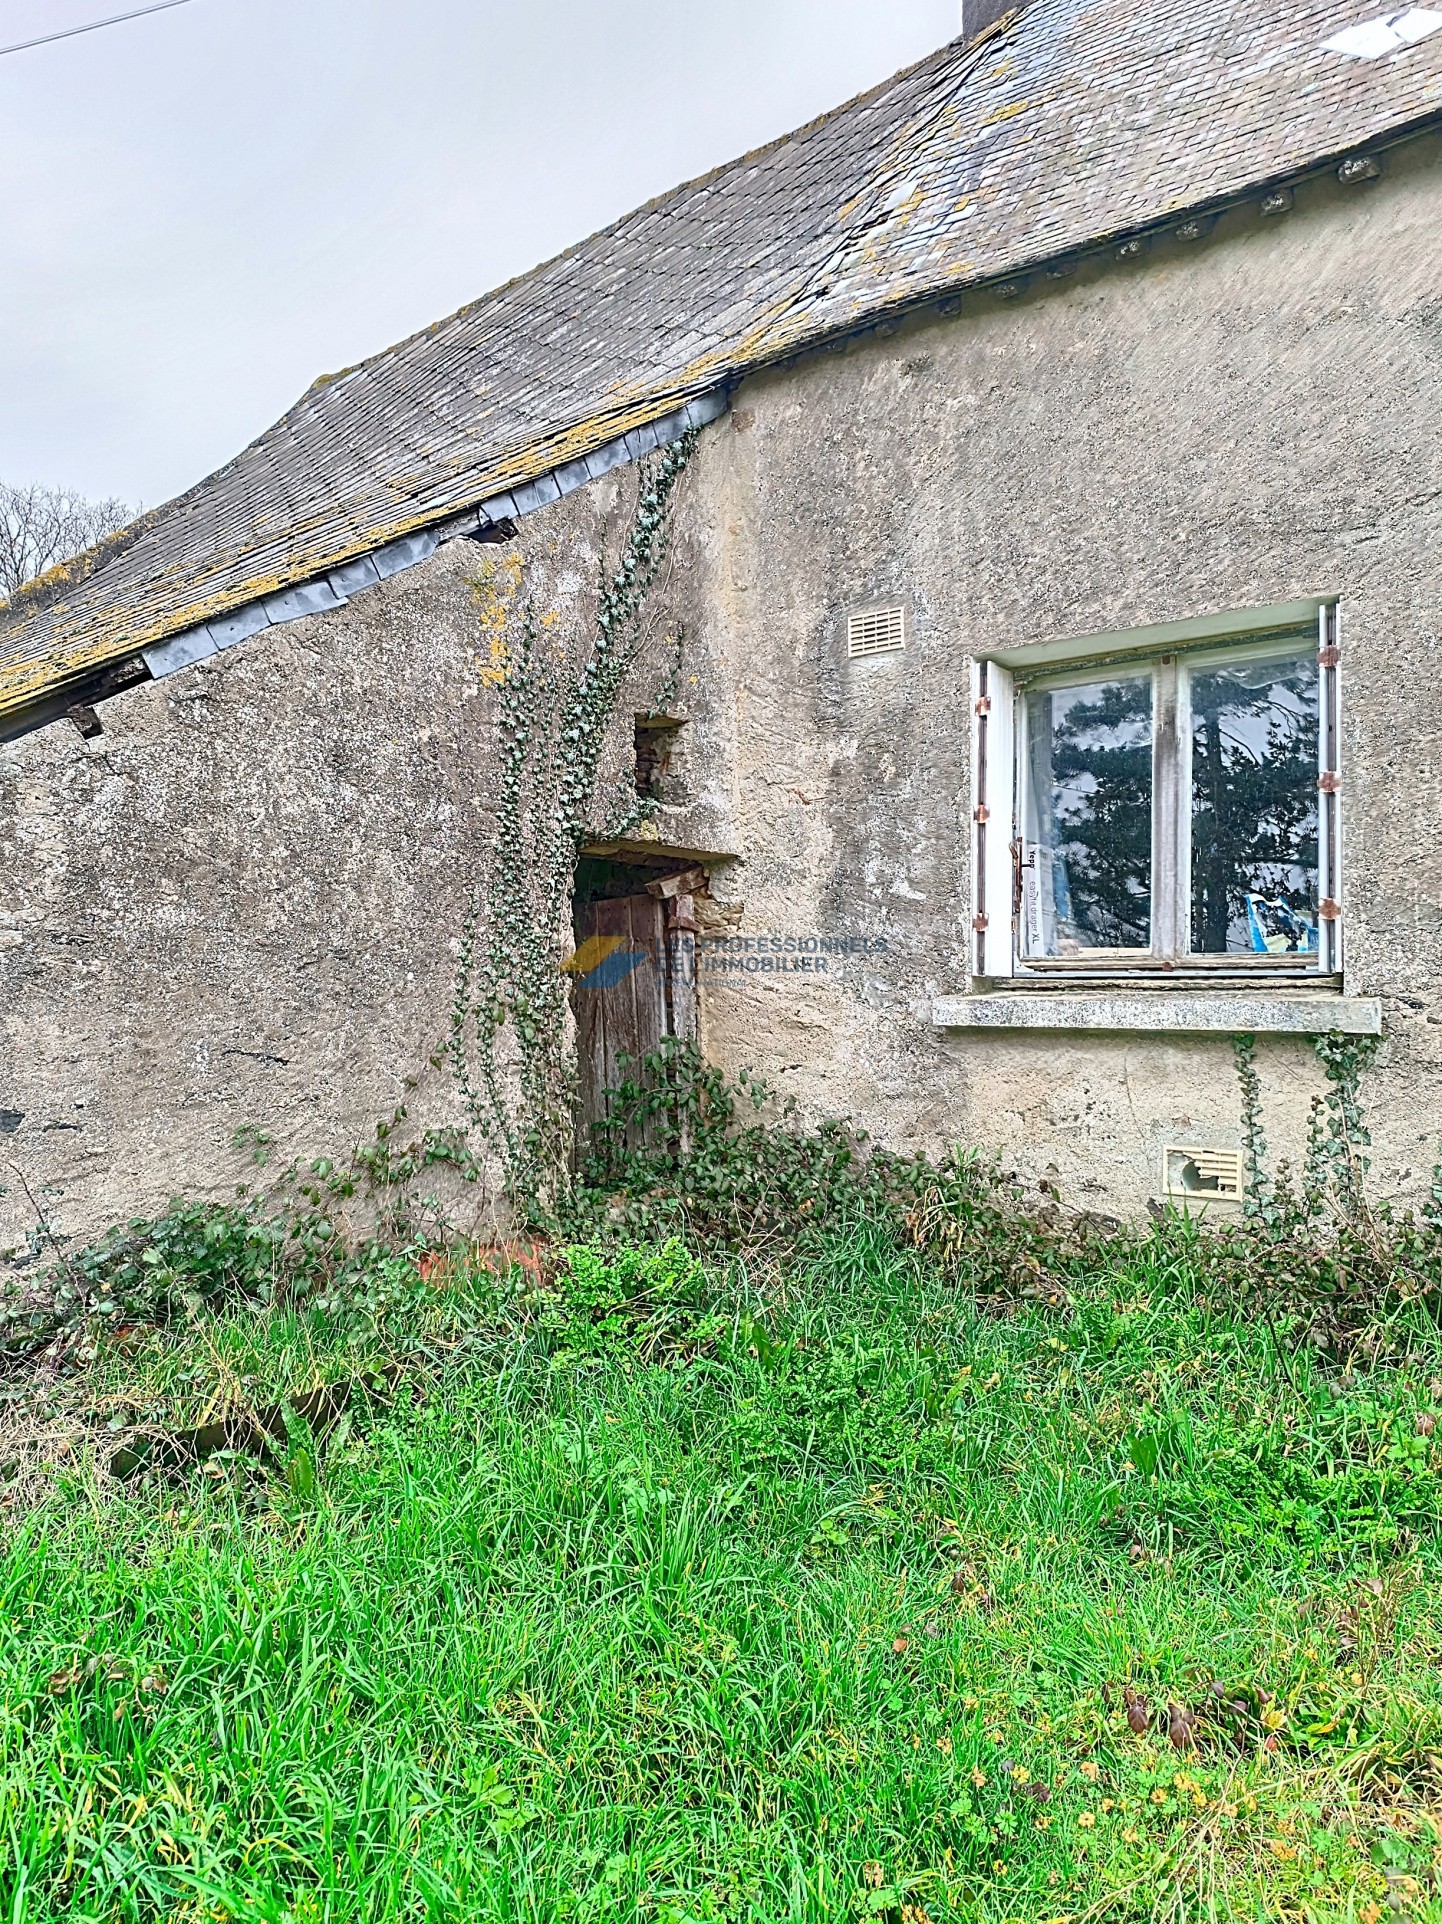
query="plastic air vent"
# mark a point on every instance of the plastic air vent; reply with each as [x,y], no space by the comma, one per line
[875,631]
[1203,1175]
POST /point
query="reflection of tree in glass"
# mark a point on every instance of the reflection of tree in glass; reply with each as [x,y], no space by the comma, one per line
[1102,770]
[1254,795]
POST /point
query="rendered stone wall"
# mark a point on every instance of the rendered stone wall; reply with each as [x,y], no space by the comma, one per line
[238,906]
[1225,424]
[237,909]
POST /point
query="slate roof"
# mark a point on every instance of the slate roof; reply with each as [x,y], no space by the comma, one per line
[1073,122]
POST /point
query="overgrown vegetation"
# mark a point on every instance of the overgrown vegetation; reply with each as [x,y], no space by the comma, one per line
[1319,1261]
[311,1230]
[1323,1254]
[558,692]
[727,1169]
[794,1531]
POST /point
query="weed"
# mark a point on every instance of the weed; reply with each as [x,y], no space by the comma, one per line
[1327,1261]
[681,1148]
[284,1243]
[803,1531]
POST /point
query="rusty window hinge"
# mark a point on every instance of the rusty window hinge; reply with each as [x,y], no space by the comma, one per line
[1330,783]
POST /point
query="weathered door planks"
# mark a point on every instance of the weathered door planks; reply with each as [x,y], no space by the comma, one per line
[621,1010]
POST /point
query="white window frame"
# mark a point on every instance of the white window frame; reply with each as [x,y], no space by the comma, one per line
[998,751]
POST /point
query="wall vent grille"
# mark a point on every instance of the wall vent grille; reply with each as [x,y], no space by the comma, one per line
[1203,1175]
[875,631]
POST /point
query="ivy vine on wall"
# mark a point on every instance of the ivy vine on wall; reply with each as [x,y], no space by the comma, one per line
[510,1042]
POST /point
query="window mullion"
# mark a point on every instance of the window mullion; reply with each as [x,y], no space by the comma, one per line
[1168,874]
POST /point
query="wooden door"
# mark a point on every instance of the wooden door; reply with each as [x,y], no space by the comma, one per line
[620,1001]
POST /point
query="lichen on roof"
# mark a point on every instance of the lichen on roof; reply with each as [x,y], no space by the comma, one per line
[1071,122]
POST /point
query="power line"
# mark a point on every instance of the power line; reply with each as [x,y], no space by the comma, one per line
[115,19]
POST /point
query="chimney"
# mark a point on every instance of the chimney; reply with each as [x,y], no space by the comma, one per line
[978,14]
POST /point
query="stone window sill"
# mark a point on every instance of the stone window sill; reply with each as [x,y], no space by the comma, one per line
[1178,1011]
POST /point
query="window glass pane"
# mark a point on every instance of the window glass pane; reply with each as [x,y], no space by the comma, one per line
[1254,807]
[1088,875]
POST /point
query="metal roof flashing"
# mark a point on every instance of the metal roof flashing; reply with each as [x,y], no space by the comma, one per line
[335,588]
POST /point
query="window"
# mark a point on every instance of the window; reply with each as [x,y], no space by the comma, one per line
[1171,808]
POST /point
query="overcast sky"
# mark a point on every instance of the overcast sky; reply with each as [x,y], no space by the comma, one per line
[205,209]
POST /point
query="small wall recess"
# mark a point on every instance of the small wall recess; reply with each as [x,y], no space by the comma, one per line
[656,737]
[1194,1174]
[875,631]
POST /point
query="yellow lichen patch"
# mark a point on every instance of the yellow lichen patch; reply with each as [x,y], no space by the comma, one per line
[1006,113]
[91,637]
[493,588]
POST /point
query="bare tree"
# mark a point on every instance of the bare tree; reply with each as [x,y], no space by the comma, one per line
[42,526]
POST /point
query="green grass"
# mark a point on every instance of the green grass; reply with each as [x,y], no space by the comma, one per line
[686,1596]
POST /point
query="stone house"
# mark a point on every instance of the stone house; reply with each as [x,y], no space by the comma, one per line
[1056,580]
